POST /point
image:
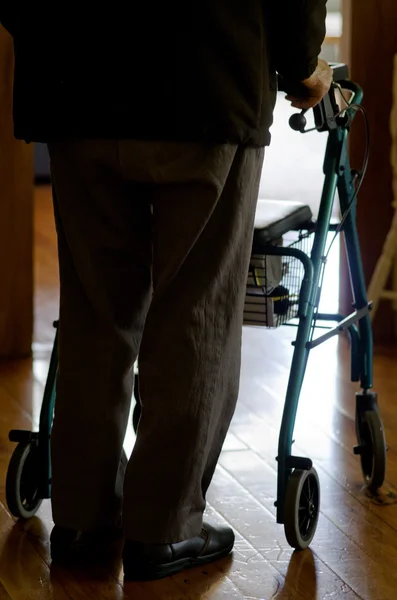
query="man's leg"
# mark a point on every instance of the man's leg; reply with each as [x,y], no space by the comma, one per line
[105,256]
[190,355]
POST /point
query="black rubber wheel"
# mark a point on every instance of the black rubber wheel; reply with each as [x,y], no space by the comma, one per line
[302,508]
[372,444]
[22,483]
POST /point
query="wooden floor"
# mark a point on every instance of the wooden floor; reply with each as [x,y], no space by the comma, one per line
[354,554]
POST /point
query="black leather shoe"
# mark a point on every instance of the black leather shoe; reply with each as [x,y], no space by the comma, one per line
[78,547]
[146,562]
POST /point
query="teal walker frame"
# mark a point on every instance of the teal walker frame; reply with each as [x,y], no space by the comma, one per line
[298,488]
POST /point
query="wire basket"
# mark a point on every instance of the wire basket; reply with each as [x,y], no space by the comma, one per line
[274,283]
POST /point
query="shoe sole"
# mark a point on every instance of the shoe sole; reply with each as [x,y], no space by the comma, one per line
[153,572]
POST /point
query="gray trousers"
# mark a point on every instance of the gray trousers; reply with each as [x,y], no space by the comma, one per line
[154,244]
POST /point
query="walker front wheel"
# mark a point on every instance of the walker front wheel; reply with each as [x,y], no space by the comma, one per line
[22,483]
[302,508]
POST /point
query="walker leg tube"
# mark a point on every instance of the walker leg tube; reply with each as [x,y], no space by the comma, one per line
[298,367]
[355,353]
[346,195]
[301,353]
[46,416]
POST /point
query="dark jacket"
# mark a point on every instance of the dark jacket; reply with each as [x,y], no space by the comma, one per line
[198,70]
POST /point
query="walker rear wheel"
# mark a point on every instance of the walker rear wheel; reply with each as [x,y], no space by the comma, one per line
[372,449]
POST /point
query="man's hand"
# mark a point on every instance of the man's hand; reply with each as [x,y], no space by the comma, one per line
[312,90]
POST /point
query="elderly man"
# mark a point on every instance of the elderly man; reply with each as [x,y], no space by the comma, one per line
[156,115]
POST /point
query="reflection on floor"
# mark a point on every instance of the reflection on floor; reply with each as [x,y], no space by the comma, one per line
[354,554]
